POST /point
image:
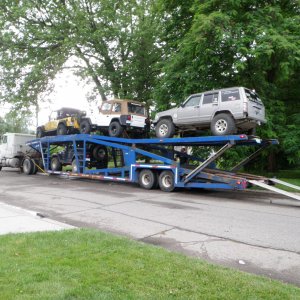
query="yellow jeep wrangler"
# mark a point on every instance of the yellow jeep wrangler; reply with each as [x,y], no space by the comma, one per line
[61,122]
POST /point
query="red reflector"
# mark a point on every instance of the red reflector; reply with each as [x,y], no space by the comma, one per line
[242,136]
[129,117]
[238,182]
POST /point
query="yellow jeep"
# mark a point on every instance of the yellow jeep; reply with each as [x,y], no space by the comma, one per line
[61,122]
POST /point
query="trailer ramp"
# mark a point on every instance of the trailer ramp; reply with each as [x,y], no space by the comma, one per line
[274,189]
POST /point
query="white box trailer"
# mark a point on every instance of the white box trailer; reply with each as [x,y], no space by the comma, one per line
[14,152]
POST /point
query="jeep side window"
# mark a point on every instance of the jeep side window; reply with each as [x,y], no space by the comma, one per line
[230,95]
[116,107]
[193,101]
[210,98]
[106,106]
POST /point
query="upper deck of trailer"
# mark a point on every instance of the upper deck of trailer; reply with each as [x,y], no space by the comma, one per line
[186,141]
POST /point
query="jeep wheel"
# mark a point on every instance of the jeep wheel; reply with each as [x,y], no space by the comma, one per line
[40,132]
[62,129]
[85,127]
[74,166]
[115,129]
[222,124]
[55,164]
[165,128]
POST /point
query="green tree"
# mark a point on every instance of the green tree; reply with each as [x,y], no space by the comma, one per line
[16,121]
[111,42]
[228,43]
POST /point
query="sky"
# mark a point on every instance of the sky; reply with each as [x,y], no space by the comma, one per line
[69,91]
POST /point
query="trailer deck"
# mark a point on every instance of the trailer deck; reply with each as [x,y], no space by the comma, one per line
[156,162]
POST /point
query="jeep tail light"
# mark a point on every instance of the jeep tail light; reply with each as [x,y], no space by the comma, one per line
[129,118]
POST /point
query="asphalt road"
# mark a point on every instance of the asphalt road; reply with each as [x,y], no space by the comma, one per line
[254,231]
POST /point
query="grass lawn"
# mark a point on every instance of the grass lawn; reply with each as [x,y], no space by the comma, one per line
[88,264]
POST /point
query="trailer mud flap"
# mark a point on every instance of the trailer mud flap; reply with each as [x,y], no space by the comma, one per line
[274,189]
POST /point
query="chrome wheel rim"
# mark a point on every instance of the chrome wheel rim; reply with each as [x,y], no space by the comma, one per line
[167,181]
[163,129]
[221,125]
[146,179]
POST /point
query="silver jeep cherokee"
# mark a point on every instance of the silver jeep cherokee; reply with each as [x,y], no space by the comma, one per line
[224,111]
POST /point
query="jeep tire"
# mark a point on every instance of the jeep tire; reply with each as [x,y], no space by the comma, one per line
[40,132]
[115,129]
[62,129]
[55,164]
[85,127]
[223,124]
[165,128]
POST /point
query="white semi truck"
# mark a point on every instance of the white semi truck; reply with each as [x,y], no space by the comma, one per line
[15,154]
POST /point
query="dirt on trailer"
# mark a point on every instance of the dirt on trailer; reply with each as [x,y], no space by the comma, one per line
[255,231]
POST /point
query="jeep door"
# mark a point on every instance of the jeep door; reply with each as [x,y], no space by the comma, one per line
[231,101]
[53,122]
[188,112]
[105,116]
[209,106]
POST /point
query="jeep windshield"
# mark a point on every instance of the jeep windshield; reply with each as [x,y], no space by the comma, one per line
[135,108]
[252,96]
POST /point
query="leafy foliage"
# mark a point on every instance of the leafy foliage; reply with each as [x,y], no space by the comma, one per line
[111,42]
[236,43]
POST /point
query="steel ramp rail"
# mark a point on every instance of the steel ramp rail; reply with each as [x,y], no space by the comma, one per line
[274,189]
[296,187]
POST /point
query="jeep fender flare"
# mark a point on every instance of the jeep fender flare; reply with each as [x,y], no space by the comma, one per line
[222,112]
[164,117]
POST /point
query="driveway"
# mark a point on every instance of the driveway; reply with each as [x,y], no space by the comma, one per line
[254,231]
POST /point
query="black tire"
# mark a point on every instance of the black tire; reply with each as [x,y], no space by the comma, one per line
[223,124]
[62,129]
[148,179]
[100,153]
[40,132]
[115,129]
[85,127]
[55,164]
[28,166]
[165,128]
[166,181]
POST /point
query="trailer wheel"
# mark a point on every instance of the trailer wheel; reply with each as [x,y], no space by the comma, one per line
[55,164]
[166,181]
[222,124]
[28,166]
[115,129]
[62,129]
[147,179]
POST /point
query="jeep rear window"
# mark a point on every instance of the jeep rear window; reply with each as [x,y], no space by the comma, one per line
[252,96]
[135,108]
[230,95]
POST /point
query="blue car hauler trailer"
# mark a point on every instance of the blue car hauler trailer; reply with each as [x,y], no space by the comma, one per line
[153,162]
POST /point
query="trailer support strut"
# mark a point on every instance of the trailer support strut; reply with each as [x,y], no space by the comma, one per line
[197,170]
